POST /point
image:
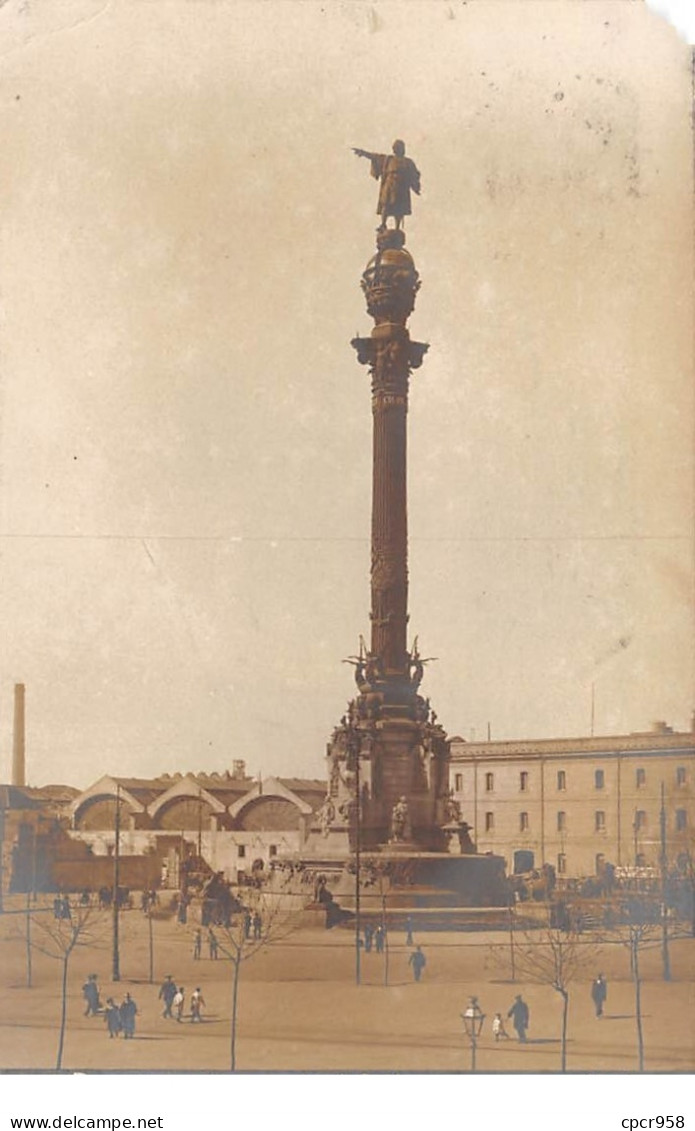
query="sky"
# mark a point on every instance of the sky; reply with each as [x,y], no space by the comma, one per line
[185,433]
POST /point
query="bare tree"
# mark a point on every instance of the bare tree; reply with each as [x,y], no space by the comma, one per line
[57,938]
[267,919]
[637,936]
[550,957]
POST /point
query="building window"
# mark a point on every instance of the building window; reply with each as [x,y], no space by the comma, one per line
[600,821]
[561,780]
[523,781]
[241,850]
[458,783]
[640,778]
[680,775]
[561,864]
[489,782]
[489,822]
[640,819]
[681,820]
[599,779]
[523,822]
[273,850]
[561,821]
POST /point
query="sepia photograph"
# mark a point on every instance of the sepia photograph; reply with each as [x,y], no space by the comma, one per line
[347,531]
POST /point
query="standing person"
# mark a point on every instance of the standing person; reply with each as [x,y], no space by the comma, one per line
[247,924]
[368,936]
[380,938]
[127,1012]
[257,925]
[212,943]
[197,943]
[418,962]
[90,993]
[599,993]
[519,1014]
[197,1001]
[498,1029]
[167,993]
[409,931]
[179,1002]
[112,1016]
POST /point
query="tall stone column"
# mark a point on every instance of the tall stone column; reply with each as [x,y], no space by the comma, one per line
[388,758]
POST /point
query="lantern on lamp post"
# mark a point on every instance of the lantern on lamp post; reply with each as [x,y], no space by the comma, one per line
[473,1019]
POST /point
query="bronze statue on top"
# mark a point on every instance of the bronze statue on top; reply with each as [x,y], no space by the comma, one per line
[398,175]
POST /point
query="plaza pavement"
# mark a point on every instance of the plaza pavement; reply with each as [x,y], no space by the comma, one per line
[300,1010]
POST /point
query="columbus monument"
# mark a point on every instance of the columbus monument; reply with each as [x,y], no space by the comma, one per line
[388,791]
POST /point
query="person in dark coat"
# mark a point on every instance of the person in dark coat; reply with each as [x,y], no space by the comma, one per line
[418,961]
[167,993]
[128,1011]
[90,993]
[112,1016]
[519,1014]
[380,938]
[257,926]
[212,943]
[197,943]
[599,993]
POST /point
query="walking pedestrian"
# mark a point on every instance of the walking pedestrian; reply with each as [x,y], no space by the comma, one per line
[380,938]
[90,992]
[112,1016]
[599,993]
[498,1029]
[418,962]
[197,943]
[197,1001]
[213,945]
[167,993]
[127,1012]
[519,1014]
[257,926]
[179,1002]
[368,936]
[247,924]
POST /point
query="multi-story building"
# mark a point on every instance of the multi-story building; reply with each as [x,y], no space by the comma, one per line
[579,803]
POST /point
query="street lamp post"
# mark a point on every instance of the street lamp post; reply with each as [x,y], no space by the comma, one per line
[116,957]
[473,1019]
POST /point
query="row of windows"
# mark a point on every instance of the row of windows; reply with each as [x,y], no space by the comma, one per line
[599,779]
[640,821]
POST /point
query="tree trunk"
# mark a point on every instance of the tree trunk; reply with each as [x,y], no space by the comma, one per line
[565,1008]
[151,942]
[638,1004]
[63,1012]
[235,994]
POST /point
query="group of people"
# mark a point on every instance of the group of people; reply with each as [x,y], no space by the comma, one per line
[121,1018]
[174,998]
[374,938]
[520,1015]
[213,944]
